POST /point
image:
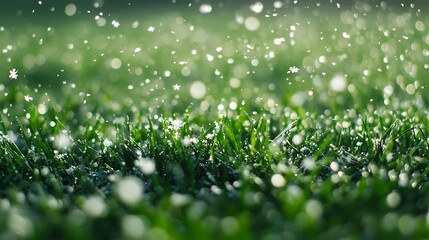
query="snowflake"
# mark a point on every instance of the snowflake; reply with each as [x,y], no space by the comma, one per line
[115,24]
[13,74]
[176,87]
[137,50]
[28,98]
[293,69]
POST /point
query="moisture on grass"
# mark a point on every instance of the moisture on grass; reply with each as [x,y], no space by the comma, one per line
[214,120]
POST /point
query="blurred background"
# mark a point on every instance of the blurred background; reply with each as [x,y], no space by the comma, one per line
[307,55]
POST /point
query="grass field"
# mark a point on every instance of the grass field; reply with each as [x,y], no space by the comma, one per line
[208,122]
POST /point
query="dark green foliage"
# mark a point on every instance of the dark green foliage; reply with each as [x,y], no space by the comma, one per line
[339,149]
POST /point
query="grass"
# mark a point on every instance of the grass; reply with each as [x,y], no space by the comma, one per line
[105,148]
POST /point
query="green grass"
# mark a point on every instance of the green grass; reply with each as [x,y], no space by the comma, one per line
[271,154]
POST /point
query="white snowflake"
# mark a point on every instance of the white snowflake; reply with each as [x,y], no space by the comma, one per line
[13,74]
[176,87]
[293,69]
[115,24]
[28,98]
[137,50]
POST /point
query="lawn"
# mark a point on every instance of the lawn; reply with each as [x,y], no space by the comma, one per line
[272,120]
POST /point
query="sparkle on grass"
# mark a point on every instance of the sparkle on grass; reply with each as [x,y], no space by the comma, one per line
[293,69]
[13,74]
[210,136]
[177,124]
[62,141]
[115,24]
[176,87]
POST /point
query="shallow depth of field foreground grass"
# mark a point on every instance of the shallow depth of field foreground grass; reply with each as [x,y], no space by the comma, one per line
[275,120]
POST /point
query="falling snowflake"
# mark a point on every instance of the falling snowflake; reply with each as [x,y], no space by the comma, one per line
[176,87]
[13,74]
[293,69]
[28,98]
[115,24]
[137,50]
